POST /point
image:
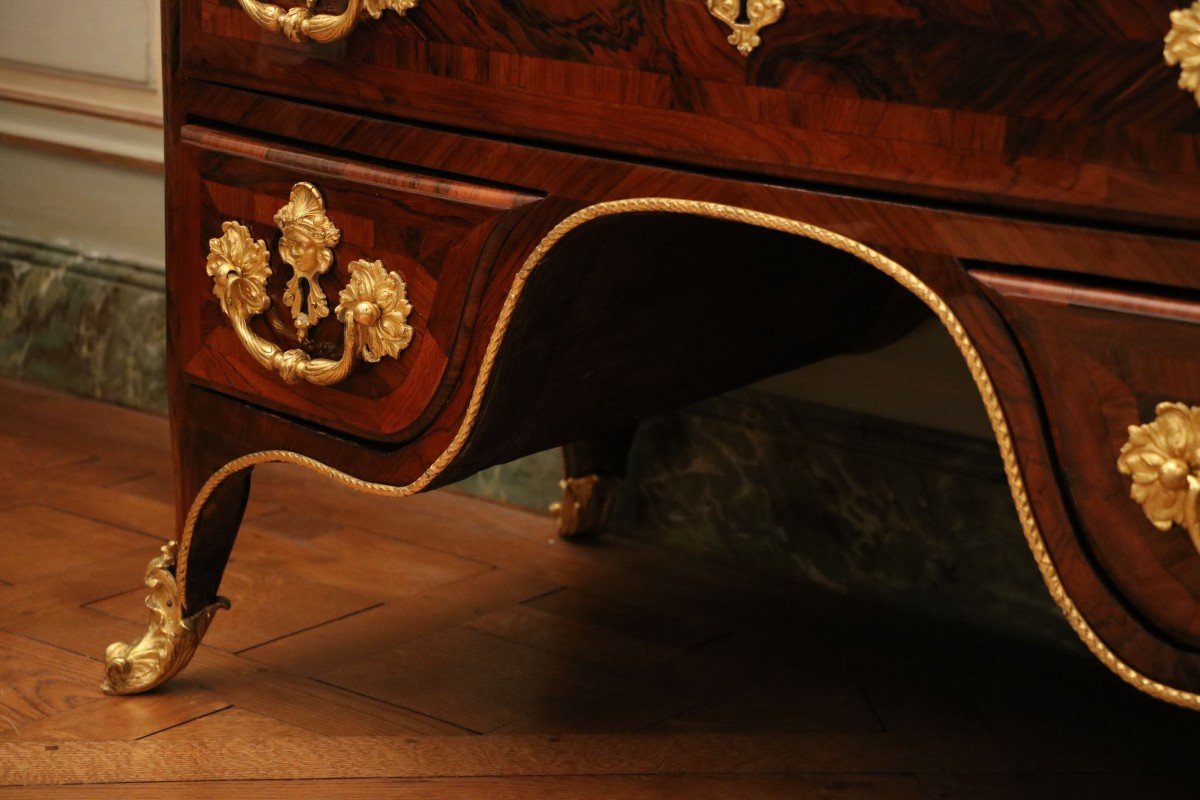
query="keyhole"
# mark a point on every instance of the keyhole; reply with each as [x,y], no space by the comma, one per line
[743,16]
[305,287]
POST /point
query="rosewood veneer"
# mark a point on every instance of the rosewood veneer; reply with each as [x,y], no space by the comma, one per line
[410,240]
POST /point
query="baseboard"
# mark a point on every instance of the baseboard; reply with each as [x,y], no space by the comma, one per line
[85,324]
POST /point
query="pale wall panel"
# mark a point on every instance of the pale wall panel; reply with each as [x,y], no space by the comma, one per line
[110,39]
[83,205]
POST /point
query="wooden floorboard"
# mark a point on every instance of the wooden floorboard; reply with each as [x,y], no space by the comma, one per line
[765,787]
[443,646]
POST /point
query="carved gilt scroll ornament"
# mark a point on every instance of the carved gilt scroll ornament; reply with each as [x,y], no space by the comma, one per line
[373,307]
[1182,47]
[1163,459]
[169,641]
[306,245]
[745,19]
[300,23]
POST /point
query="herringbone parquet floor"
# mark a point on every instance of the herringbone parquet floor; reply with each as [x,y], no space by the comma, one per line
[448,647]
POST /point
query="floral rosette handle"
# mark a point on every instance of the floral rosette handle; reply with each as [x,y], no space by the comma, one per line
[1163,458]
[373,307]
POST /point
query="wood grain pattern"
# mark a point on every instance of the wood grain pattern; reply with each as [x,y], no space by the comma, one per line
[1102,360]
[1052,105]
[1007,110]
[571,180]
[551,379]
[736,684]
[438,234]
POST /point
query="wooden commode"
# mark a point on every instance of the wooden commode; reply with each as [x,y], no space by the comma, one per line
[412,239]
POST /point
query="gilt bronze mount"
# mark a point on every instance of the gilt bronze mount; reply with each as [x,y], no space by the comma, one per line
[300,23]
[1163,459]
[373,307]
[746,18]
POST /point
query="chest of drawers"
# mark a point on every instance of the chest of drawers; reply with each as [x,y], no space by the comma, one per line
[410,240]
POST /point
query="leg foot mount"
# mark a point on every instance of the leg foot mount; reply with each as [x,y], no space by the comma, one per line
[586,504]
[169,641]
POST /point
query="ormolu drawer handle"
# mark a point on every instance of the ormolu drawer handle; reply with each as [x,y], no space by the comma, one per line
[300,23]
[1163,458]
[373,307]
[1182,47]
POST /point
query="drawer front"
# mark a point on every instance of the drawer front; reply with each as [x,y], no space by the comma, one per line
[404,256]
[1104,360]
[1048,104]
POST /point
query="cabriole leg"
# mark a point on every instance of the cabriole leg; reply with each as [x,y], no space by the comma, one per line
[182,582]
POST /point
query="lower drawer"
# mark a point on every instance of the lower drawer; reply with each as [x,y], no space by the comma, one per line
[1104,360]
[347,287]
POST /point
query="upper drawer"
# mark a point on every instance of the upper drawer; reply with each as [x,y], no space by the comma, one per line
[1046,104]
[334,291]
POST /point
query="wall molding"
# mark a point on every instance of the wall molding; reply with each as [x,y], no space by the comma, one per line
[99,59]
[84,85]
[128,113]
[83,152]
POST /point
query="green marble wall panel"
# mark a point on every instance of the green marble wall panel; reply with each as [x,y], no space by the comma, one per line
[887,512]
[530,482]
[88,325]
[876,509]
